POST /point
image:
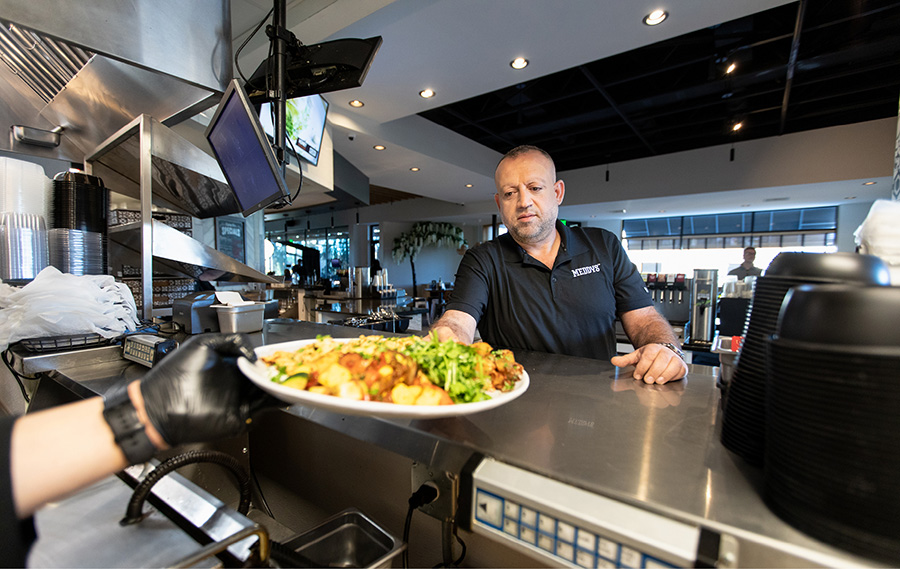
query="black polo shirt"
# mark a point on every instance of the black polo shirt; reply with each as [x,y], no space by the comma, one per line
[570,309]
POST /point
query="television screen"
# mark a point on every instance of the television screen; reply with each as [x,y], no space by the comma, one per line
[304,125]
[244,153]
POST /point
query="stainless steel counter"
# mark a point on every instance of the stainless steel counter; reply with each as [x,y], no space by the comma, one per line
[588,425]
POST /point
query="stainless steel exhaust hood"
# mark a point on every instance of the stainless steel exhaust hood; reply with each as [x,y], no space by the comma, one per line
[74,73]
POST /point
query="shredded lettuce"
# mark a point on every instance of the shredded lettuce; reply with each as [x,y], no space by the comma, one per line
[453,363]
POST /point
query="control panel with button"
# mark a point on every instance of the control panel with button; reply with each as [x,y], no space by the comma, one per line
[568,526]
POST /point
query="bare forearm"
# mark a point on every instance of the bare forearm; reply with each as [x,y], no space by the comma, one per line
[647,326]
[654,333]
[60,450]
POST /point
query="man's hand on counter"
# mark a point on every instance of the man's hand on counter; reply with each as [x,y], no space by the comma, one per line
[653,363]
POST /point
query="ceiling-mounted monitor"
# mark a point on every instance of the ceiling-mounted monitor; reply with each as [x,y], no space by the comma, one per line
[243,151]
[304,125]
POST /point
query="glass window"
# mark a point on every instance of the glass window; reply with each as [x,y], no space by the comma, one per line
[697,243]
[635,228]
[701,225]
[663,226]
[669,243]
[818,218]
[795,240]
[374,241]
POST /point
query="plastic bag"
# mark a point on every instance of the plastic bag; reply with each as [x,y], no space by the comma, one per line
[59,304]
[879,235]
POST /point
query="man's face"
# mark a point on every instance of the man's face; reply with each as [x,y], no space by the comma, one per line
[749,255]
[528,197]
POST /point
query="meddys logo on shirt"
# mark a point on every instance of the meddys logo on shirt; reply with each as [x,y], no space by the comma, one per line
[581,271]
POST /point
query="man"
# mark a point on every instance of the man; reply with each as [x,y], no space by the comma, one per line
[547,287]
[746,269]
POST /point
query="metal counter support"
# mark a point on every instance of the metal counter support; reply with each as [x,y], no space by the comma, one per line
[582,424]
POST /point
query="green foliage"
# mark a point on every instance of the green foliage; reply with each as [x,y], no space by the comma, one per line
[422,233]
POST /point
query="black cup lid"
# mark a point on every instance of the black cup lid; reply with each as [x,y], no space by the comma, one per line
[841,314]
[832,267]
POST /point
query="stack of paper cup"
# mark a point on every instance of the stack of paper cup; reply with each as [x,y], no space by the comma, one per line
[23,246]
[23,230]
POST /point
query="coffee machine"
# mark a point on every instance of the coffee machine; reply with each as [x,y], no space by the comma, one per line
[702,325]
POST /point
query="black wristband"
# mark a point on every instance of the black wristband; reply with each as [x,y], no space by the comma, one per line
[119,412]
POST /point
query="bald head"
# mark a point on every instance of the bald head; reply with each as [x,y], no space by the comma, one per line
[523,150]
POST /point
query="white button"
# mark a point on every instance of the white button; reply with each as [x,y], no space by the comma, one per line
[586,540]
[565,550]
[546,524]
[605,564]
[584,559]
[527,535]
[630,557]
[511,527]
[529,517]
[511,510]
[565,532]
[488,509]
[651,563]
[608,549]
[545,542]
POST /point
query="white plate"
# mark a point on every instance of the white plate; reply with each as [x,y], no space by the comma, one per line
[259,374]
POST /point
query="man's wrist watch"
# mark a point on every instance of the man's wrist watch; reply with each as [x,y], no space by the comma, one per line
[674,348]
[129,432]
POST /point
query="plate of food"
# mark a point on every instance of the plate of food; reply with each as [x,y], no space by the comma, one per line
[404,377]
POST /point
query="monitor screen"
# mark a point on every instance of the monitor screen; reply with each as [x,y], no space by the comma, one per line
[304,125]
[244,152]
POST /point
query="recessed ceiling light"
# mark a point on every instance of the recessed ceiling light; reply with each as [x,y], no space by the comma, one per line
[378,147]
[655,17]
[426,93]
[519,63]
[731,68]
[470,185]
[869,183]
[662,211]
[849,197]
[414,169]
[356,103]
[737,126]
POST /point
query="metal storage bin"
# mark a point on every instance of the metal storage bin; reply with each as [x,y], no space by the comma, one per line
[243,318]
[348,539]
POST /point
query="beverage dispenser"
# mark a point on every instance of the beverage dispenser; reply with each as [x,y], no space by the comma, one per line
[702,325]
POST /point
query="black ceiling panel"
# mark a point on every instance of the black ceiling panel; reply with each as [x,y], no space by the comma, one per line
[842,67]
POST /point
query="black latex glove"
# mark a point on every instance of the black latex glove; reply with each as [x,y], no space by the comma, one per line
[198,394]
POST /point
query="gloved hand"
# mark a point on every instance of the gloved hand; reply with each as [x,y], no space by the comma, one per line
[198,394]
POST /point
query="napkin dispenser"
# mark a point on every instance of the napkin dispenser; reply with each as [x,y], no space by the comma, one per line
[194,313]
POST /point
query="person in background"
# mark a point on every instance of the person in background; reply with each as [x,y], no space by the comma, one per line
[297,274]
[195,394]
[547,287]
[374,269]
[746,269]
[287,275]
